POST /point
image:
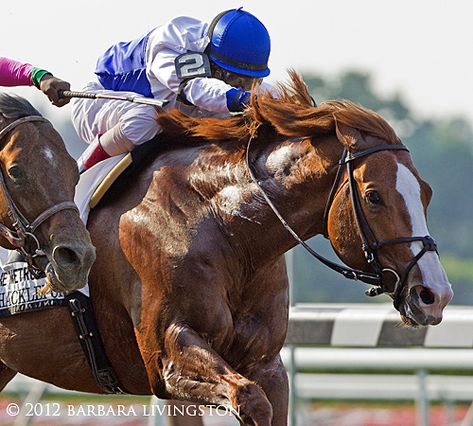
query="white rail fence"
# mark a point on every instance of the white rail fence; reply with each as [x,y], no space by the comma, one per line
[357,344]
[369,338]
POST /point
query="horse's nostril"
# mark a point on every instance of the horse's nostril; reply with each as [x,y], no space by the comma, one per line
[65,257]
[427,296]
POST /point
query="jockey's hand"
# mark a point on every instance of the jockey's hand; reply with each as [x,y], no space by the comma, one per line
[51,86]
[238,99]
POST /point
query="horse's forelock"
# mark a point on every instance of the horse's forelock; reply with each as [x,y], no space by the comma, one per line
[12,106]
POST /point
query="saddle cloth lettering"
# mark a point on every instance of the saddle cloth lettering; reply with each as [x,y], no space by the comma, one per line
[19,291]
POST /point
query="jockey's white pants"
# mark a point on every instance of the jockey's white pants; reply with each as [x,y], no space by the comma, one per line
[125,124]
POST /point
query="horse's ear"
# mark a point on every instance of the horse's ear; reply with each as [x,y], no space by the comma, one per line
[348,136]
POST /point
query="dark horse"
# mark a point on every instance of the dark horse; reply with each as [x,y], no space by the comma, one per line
[190,287]
[38,216]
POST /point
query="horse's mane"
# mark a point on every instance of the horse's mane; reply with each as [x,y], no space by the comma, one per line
[12,106]
[290,113]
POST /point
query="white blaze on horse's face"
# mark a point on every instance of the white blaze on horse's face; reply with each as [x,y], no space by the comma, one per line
[433,274]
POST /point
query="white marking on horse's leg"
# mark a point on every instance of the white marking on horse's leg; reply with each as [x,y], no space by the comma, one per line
[433,274]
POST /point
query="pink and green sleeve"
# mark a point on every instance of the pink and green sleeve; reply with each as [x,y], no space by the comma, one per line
[14,73]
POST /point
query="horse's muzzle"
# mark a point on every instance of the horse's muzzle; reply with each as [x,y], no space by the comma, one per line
[422,306]
[71,265]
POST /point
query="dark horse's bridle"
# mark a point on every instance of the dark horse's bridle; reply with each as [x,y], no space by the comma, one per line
[370,244]
[24,230]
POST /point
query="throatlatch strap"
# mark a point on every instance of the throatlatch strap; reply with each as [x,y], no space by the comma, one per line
[83,318]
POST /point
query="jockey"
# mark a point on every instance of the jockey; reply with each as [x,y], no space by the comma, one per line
[14,73]
[198,68]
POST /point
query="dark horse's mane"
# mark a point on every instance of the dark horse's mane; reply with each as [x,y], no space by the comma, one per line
[291,114]
[12,106]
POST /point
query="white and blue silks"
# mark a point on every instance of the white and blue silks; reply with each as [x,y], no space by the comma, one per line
[147,66]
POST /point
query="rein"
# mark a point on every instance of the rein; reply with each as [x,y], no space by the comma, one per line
[379,277]
[23,228]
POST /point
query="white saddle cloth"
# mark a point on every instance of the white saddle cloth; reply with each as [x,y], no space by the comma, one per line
[90,180]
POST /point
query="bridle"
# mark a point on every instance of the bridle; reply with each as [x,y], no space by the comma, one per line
[24,230]
[370,244]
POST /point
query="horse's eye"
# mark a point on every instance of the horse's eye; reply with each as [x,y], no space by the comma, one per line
[14,172]
[373,197]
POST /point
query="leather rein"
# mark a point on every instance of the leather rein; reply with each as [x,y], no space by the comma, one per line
[370,244]
[23,229]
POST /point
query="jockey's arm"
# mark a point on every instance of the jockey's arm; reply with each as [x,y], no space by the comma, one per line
[217,96]
[208,93]
[15,73]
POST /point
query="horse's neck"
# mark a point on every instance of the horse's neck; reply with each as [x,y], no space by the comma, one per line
[297,179]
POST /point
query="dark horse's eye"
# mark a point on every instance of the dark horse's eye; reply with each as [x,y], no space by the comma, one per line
[373,197]
[14,172]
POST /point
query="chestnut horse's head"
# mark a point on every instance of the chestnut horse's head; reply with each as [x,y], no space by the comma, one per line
[381,205]
[375,215]
[37,184]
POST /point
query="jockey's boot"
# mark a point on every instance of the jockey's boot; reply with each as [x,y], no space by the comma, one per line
[92,155]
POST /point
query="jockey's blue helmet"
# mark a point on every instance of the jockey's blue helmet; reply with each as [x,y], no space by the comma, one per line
[240,43]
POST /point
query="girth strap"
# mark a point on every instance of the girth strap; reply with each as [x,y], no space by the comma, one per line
[84,322]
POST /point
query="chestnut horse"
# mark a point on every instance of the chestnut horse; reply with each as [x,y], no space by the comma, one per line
[190,288]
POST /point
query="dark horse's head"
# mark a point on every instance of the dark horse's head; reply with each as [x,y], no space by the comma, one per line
[37,213]
[379,202]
